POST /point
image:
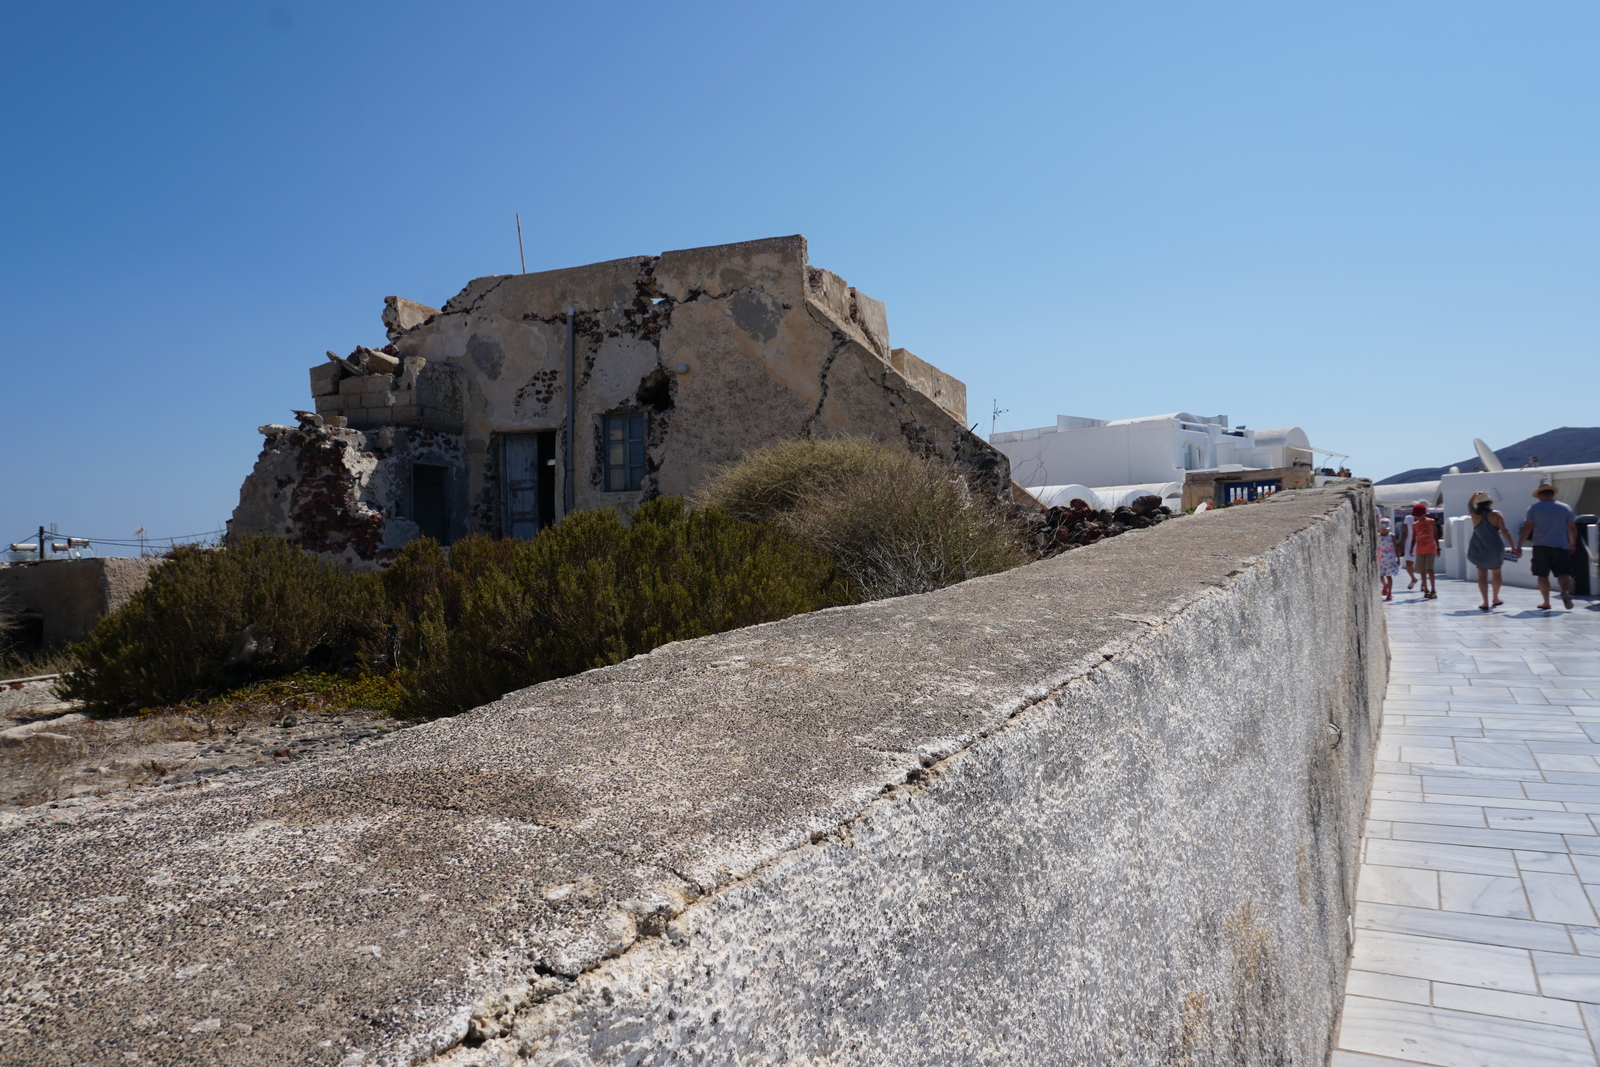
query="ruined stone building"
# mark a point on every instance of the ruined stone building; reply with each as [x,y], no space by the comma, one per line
[656,369]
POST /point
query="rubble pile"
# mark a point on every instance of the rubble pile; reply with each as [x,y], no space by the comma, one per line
[1060,529]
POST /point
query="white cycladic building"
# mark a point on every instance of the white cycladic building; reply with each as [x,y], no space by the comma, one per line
[1157,450]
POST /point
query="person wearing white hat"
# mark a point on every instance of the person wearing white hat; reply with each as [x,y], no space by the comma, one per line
[1553,529]
[1486,550]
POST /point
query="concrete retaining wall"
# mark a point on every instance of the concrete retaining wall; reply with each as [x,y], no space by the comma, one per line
[70,595]
[1099,810]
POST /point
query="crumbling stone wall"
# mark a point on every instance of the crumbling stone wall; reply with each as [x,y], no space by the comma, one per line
[344,493]
[722,349]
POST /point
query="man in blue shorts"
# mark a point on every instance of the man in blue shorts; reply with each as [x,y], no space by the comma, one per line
[1552,528]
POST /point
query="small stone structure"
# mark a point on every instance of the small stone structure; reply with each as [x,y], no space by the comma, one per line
[683,362]
[1215,485]
[1102,809]
[60,600]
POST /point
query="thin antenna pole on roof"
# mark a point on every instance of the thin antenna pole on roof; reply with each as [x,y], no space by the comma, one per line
[520,254]
[994,416]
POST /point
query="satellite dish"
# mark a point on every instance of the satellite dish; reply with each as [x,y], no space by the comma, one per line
[1455,470]
[1486,456]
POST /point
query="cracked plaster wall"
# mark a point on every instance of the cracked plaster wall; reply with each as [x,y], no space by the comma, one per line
[772,349]
[1087,811]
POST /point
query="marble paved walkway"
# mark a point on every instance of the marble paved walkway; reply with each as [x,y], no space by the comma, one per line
[1477,942]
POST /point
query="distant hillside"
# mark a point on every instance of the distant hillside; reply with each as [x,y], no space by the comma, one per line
[1570,444]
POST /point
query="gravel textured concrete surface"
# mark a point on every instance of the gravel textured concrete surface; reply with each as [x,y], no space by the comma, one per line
[72,760]
[1102,809]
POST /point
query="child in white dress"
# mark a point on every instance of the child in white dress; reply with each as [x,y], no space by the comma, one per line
[1388,562]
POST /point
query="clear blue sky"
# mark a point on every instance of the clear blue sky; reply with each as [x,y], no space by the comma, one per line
[1376,221]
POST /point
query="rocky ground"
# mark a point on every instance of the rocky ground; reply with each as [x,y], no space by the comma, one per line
[52,754]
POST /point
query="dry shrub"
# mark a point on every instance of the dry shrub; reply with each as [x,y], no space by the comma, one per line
[894,523]
[769,483]
[590,591]
[175,640]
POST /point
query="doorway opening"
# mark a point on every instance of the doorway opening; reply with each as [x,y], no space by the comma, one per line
[528,461]
[428,509]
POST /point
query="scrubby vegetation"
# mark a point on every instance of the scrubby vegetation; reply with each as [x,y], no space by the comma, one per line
[586,593]
[210,621]
[793,528]
[437,632]
[895,523]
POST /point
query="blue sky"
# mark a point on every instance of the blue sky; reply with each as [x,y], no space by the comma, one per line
[1372,220]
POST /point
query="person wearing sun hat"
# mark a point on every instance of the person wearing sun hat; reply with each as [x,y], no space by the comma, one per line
[1486,550]
[1553,529]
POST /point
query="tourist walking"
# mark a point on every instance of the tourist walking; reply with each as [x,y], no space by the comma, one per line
[1407,549]
[1388,561]
[1422,541]
[1487,549]
[1553,529]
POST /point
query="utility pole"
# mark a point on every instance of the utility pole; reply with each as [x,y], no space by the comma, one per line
[41,542]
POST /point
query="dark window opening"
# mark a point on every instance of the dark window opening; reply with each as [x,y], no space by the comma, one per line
[428,509]
[655,391]
[26,637]
[625,441]
[528,461]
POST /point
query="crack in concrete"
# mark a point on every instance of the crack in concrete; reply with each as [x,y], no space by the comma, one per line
[423,805]
[840,340]
[476,303]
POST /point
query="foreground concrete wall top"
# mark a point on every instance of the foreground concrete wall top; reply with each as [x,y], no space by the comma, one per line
[1099,810]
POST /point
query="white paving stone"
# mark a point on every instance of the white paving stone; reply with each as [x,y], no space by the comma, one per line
[1506,1005]
[1405,885]
[1449,1038]
[1476,940]
[1479,894]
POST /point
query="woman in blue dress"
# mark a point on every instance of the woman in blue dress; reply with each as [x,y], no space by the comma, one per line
[1486,550]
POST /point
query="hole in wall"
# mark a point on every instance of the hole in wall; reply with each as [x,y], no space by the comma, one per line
[655,391]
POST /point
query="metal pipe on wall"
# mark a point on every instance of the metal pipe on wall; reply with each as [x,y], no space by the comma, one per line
[572,409]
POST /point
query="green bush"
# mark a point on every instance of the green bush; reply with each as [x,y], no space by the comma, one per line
[592,591]
[174,640]
[895,523]
[465,625]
